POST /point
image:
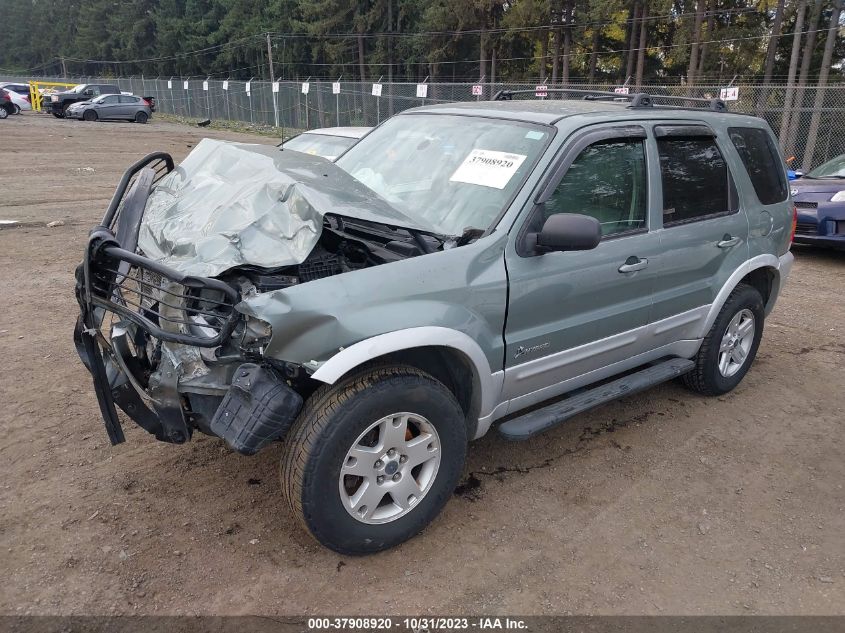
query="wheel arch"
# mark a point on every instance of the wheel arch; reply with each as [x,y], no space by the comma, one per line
[449,355]
[761,272]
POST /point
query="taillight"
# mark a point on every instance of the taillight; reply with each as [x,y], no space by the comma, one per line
[794,224]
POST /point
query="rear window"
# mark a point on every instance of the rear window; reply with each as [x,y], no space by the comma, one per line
[695,179]
[761,160]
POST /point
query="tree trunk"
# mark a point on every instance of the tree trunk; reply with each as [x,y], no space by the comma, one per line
[493,69]
[629,64]
[594,54]
[790,80]
[702,47]
[643,41]
[773,43]
[696,37]
[544,52]
[482,56]
[390,56]
[568,15]
[556,36]
[361,65]
[806,63]
[827,57]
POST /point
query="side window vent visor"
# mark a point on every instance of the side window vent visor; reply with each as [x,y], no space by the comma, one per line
[685,131]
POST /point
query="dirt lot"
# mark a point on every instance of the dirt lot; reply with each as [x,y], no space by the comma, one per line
[662,503]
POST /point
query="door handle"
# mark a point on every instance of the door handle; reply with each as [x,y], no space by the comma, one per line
[728,241]
[633,264]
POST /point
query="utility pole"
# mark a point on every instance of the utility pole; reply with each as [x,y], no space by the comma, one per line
[270,59]
[64,68]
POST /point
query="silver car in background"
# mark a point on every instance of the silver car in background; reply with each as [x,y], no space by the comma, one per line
[328,142]
[111,108]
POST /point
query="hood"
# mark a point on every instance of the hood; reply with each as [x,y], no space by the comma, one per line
[812,185]
[233,204]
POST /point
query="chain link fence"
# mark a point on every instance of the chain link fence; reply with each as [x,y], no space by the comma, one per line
[809,121]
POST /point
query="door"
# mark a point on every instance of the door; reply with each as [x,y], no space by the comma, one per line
[570,313]
[109,107]
[128,106]
[704,238]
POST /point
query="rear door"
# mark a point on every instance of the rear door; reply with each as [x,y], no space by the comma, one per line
[704,237]
[109,107]
[128,106]
[570,313]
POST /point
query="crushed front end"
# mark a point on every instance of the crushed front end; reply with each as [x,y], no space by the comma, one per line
[169,349]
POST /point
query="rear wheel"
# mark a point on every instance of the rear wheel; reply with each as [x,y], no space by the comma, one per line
[729,348]
[3,112]
[89,115]
[141,117]
[371,461]
[16,109]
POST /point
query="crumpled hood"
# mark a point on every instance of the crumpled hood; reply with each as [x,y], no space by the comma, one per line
[231,204]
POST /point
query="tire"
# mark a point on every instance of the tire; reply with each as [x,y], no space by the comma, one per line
[16,109]
[3,112]
[334,424]
[89,115]
[712,377]
[65,109]
[58,115]
[141,117]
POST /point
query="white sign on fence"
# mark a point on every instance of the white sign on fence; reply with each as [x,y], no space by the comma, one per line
[335,87]
[185,85]
[729,94]
[422,91]
[170,84]
[205,86]
[541,91]
[226,85]
[306,88]
[622,90]
[275,86]
[248,87]
[477,90]
[376,90]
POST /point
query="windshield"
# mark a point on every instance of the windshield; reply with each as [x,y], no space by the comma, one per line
[320,144]
[447,171]
[834,168]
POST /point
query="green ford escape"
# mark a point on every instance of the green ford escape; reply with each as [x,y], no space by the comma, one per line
[460,264]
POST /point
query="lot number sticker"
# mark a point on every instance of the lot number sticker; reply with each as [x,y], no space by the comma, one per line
[729,94]
[488,168]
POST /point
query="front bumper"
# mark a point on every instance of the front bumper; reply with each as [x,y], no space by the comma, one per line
[150,338]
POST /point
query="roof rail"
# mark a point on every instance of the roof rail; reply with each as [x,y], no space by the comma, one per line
[637,100]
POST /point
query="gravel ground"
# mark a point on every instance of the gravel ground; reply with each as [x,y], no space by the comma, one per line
[662,503]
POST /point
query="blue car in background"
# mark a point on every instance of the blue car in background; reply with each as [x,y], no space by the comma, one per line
[819,197]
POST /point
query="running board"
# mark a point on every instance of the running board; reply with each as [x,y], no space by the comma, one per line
[539,420]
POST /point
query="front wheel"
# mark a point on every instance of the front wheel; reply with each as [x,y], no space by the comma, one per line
[3,112]
[371,461]
[731,344]
[89,115]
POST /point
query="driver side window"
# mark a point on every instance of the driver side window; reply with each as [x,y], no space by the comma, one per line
[608,182]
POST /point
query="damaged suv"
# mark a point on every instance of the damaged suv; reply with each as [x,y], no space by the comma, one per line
[461,264]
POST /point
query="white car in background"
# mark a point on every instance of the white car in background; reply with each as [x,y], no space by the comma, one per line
[19,94]
[328,142]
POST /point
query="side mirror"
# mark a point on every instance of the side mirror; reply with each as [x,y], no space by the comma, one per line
[568,232]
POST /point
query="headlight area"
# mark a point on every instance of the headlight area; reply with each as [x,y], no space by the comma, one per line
[175,355]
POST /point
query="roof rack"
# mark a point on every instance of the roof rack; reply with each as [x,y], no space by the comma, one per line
[637,100]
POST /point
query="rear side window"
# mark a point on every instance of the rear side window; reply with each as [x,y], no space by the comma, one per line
[128,99]
[695,179]
[761,160]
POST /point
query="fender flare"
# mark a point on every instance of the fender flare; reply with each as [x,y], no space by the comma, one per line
[351,357]
[760,261]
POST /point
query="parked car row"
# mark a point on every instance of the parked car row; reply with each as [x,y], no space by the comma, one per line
[88,102]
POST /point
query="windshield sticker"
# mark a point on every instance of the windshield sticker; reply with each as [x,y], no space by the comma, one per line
[488,168]
[534,135]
